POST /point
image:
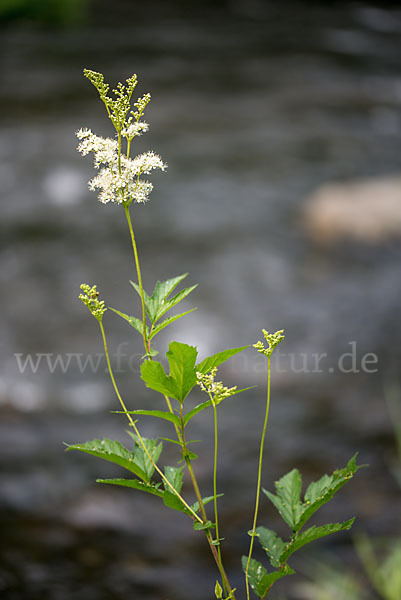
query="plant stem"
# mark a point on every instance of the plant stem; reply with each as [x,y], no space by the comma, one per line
[132,423]
[138,270]
[262,441]
[209,537]
[216,517]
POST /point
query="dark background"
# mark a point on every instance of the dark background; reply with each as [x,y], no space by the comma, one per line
[255,106]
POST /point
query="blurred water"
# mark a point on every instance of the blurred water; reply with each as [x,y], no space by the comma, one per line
[253,108]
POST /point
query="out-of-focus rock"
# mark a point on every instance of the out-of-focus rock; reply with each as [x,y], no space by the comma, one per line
[366,211]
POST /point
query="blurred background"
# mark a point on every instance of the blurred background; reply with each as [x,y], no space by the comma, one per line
[281,126]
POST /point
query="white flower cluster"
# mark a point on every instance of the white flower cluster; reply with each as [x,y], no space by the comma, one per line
[134,129]
[119,180]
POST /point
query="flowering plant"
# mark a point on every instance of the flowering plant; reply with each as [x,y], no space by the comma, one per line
[120,181]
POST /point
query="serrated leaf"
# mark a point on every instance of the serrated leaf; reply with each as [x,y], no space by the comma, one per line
[172,501]
[199,407]
[134,483]
[166,305]
[181,359]
[175,476]
[164,288]
[287,500]
[166,322]
[114,452]
[160,414]
[158,304]
[195,506]
[259,579]
[152,373]
[145,295]
[272,544]
[217,359]
[153,447]
[133,321]
[182,375]
[312,534]
[321,491]
[202,526]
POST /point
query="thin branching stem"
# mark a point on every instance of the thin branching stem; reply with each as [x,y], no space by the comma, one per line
[133,425]
[138,270]
[255,516]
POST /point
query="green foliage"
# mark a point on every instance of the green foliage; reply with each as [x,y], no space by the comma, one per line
[195,506]
[154,449]
[136,484]
[203,526]
[215,360]
[114,452]
[157,305]
[287,499]
[133,321]
[160,414]
[175,476]
[182,376]
[199,407]
[259,579]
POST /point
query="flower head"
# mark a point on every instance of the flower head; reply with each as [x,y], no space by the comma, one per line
[119,179]
[216,390]
[90,298]
[272,339]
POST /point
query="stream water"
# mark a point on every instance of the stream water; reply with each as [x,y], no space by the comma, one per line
[253,107]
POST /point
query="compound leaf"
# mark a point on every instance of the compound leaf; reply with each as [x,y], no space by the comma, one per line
[272,544]
[166,322]
[160,414]
[287,500]
[312,534]
[217,359]
[134,483]
[133,321]
[114,452]
[260,580]
[175,476]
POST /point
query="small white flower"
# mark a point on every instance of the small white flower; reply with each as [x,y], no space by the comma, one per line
[135,129]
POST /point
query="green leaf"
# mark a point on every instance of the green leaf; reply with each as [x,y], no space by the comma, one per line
[152,373]
[287,501]
[168,304]
[141,458]
[133,321]
[134,483]
[172,501]
[202,526]
[175,476]
[160,414]
[311,534]
[182,376]
[272,544]
[158,304]
[321,491]
[166,322]
[217,359]
[260,580]
[218,591]
[181,359]
[199,407]
[195,506]
[114,452]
